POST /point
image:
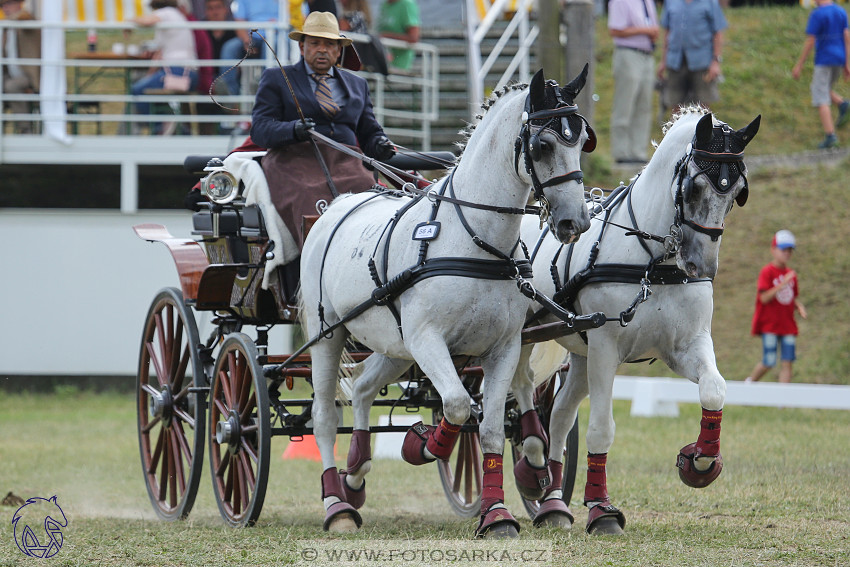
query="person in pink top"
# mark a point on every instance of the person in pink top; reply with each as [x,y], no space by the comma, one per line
[776,302]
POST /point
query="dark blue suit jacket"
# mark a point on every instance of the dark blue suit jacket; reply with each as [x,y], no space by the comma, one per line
[275,114]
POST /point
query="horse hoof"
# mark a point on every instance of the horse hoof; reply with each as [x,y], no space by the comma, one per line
[554,520]
[607,525]
[341,517]
[690,475]
[343,524]
[498,523]
[554,513]
[605,519]
[501,531]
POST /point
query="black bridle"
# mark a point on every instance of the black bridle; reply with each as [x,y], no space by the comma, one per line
[730,166]
[565,122]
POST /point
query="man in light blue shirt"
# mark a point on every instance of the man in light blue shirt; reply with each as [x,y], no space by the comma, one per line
[693,46]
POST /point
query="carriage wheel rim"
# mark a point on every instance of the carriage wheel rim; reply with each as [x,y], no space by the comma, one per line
[169,418]
[239,443]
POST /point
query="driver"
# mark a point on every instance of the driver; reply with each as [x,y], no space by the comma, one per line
[315,93]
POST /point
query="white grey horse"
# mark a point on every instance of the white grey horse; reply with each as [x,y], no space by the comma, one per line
[436,277]
[647,263]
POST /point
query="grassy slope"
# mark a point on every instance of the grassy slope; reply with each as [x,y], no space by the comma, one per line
[762,45]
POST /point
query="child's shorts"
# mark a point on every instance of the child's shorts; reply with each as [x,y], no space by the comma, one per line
[823,77]
[787,348]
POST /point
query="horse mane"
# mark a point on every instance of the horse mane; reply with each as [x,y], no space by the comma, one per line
[689,110]
[467,131]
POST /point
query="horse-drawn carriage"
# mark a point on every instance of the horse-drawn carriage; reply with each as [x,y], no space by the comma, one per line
[230,392]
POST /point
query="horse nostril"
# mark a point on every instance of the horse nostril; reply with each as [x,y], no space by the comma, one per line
[566,231]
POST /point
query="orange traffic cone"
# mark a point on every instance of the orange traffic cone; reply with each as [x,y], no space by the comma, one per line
[305,448]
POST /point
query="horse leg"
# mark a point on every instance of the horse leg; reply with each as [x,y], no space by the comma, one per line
[378,371]
[531,471]
[425,443]
[496,521]
[340,516]
[602,518]
[700,463]
[553,510]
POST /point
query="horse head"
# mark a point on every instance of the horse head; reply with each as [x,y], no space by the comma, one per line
[551,140]
[709,179]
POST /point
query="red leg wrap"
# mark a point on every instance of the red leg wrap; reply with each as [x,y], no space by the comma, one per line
[556,473]
[596,489]
[360,450]
[331,485]
[492,492]
[708,443]
[532,427]
[442,442]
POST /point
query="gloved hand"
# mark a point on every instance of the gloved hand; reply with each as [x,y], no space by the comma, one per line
[302,129]
[384,149]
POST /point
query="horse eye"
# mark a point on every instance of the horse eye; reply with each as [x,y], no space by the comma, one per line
[545,146]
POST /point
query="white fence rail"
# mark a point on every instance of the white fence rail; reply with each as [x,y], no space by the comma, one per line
[662,396]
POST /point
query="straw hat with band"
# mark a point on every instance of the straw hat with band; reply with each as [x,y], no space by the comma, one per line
[320,24]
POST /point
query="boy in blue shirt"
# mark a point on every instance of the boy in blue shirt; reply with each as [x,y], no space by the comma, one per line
[828,34]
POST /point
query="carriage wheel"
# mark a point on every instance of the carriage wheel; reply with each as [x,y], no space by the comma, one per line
[239,432]
[170,414]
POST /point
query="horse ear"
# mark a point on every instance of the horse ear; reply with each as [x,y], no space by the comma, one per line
[537,91]
[574,87]
[705,128]
[750,130]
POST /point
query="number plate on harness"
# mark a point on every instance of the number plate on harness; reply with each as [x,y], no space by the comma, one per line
[426,231]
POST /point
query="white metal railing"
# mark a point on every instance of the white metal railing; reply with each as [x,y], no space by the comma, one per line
[476,32]
[63,111]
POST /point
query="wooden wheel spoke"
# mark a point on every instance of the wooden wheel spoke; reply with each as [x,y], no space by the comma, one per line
[222,466]
[151,424]
[461,456]
[228,480]
[173,463]
[249,405]
[163,467]
[183,441]
[247,478]
[179,478]
[185,417]
[226,376]
[150,390]
[235,488]
[157,452]
[221,407]
[180,371]
[157,363]
[245,386]
[176,353]
[249,449]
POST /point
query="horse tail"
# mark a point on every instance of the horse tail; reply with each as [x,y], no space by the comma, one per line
[546,359]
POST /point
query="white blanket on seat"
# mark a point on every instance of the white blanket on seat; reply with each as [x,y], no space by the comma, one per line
[246,169]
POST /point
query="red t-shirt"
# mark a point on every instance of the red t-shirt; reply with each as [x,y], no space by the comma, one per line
[777,315]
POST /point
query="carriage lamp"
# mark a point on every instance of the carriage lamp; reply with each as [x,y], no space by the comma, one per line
[219,186]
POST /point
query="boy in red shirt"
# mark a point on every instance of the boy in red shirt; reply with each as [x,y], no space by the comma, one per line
[775,305]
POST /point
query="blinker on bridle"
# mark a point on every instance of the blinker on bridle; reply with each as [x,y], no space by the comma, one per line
[686,181]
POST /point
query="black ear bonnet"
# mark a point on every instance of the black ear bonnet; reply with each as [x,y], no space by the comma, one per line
[721,160]
[557,114]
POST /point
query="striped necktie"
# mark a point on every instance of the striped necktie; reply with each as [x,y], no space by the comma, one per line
[324,96]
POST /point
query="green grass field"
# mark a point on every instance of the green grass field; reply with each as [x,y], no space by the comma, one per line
[781,500]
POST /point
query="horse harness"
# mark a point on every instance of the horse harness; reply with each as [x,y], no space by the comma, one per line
[721,162]
[505,266]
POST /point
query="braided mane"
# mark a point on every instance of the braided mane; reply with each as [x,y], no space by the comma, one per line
[467,131]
